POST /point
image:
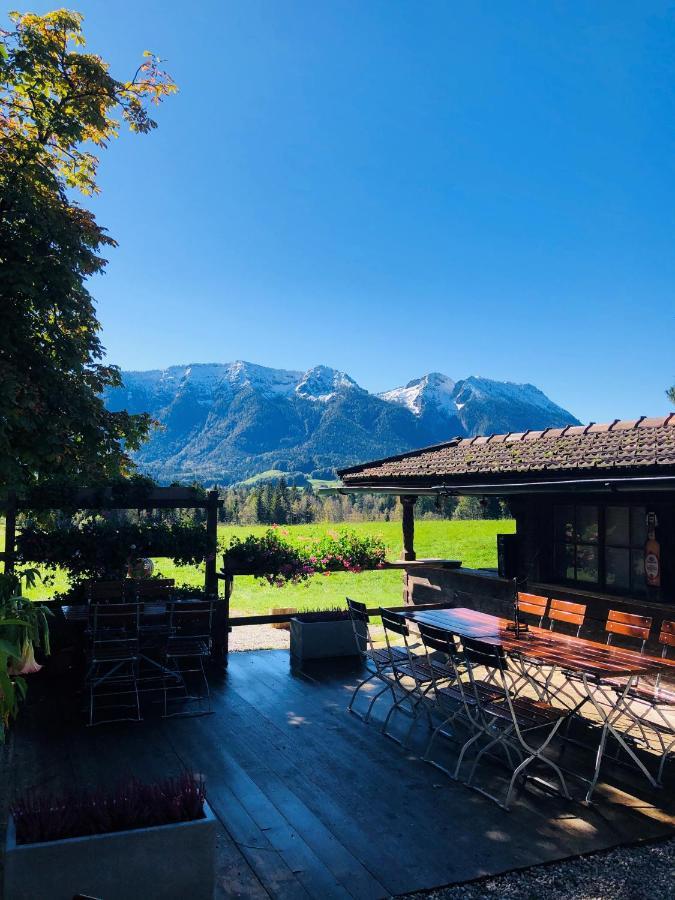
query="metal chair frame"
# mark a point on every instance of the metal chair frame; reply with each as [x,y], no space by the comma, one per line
[413,668]
[380,658]
[113,657]
[510,722]
[188,645]
[639,700]
[452,702]
[574,614]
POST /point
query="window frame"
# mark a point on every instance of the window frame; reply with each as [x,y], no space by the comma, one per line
[602,545]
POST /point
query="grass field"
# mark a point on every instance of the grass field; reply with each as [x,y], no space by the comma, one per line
[474,543]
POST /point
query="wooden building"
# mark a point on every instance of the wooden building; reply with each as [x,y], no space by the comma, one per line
[594,510]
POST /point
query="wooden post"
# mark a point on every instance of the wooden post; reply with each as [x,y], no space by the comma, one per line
[210,579]
[221,623]
[408,504]
[10,532]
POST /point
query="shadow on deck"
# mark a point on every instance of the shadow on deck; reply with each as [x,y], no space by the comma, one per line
[313,802]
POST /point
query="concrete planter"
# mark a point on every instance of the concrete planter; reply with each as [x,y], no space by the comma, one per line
[168,861]
[320,640]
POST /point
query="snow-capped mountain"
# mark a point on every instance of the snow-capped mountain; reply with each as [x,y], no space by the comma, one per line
[226,422]
[432,390]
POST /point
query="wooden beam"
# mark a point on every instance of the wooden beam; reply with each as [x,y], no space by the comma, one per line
[221,624]
[408,502]
[210,579]
[10,533]
[103,498]
[277,618]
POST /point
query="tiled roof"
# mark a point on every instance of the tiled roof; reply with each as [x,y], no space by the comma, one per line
[639,446]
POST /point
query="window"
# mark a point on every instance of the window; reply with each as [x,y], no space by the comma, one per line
[625,536]
[601,546]
[575,551]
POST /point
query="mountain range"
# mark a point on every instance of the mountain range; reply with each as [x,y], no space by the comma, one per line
[225,423]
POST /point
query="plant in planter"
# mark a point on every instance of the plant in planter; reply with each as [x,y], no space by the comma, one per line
[271,557]
[267,556]
[347,551]
[23,627]
[325,633]
[142,840]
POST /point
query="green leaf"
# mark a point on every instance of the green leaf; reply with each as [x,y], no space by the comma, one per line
[10,649]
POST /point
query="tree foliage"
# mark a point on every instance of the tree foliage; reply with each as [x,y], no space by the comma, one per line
[59,106]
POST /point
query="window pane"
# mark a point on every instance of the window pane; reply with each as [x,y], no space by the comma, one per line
[563,518]
[587,524]
[638,526]
[563,561]
[587,564]
[617,568]
[637,561]
[617,526]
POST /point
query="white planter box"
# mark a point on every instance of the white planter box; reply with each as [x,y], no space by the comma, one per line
[319,640]
[167,861]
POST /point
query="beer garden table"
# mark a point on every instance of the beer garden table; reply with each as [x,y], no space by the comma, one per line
[592,663]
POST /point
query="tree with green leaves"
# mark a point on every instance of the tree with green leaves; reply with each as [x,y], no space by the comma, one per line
[671,394]
[59,106]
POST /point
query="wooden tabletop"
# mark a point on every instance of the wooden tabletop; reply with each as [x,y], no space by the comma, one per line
[540,645]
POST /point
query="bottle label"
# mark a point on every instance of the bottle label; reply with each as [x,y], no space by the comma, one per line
[652,569]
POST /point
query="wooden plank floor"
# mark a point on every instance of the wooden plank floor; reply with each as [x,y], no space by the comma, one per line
[312,802]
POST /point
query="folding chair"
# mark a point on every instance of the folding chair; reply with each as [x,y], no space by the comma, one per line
[152,588]
[105,591]
[562,611]
[644,698]
[532,605]
[514,724]
[379,661]
[112,660]
[629,626]
[572,617]
[413,676]
[453,701]
[187,646]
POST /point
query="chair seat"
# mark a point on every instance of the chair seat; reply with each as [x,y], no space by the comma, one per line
[384,656]
[650,693]
[529,713]
[187,646]
[486,692]
[114,653]
[423,670]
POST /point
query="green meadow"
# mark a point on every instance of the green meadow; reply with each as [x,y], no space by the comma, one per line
[472,542]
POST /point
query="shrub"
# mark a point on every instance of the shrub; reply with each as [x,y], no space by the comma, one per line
[98,548]
[131,805]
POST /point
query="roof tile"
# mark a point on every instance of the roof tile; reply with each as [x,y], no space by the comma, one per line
[615,447]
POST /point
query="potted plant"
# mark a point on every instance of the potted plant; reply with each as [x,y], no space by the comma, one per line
[143,840]
[23,627]
[319,634]
[267,556]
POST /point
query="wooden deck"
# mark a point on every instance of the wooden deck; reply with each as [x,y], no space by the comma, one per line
[314,803]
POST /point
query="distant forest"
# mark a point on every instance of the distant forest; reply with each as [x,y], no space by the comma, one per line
[276,502]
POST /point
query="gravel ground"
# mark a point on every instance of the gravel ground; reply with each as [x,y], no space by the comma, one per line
[645,872]
[264,637]
[258,637]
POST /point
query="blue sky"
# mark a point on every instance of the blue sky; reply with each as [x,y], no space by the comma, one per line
[397,187]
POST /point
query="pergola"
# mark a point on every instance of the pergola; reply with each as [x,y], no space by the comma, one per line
[104,498]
